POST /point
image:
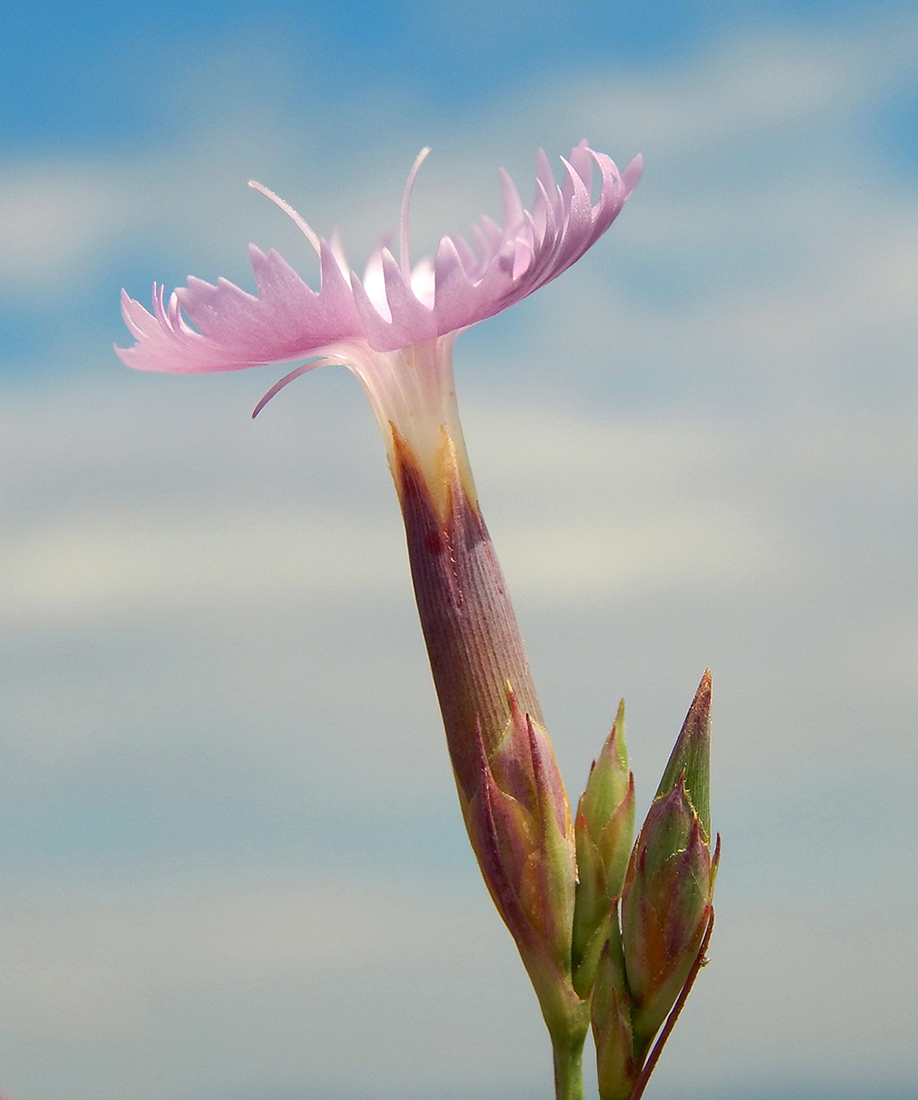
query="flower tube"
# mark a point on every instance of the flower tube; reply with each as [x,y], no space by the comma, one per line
[395,327]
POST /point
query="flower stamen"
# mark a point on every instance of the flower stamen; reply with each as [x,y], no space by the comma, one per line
[292,376]
[307,229]
[404,255]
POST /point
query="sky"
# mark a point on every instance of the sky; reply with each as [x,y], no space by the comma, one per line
[233,863]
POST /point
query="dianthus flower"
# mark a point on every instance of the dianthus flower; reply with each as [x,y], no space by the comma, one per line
[395,328]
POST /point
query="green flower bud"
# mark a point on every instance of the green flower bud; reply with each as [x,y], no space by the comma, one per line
[604,830]
[666,902]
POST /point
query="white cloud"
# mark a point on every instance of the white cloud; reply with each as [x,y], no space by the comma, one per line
[306,965]
[53,219]
[92,963]
[296,963]
[618,523]
[826,993]
[95,566]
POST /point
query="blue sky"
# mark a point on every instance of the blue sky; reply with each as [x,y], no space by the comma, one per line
[109,81]
[233,861]
[80,75]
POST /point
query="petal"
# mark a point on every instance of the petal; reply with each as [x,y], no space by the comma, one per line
[235,329]
[422,282]
[631,173]
[514,214]
[374,281]
[411,319]
[455,295]
[532,248]
[406,320]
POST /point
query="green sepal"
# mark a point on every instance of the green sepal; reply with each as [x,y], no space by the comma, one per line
[691,757]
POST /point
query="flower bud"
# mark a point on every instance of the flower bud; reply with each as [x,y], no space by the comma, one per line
[611,1009]
[604,830]
[520,826]
[666,902]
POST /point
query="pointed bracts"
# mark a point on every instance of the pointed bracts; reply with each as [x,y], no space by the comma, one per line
[646,967]
[604,831]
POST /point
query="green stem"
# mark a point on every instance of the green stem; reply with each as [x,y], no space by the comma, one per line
[568,1059]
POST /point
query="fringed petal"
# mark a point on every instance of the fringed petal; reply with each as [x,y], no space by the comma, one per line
[206,327]
[234,329]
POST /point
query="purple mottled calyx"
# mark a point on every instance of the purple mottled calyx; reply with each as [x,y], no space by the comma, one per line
[512,797]
[469,625]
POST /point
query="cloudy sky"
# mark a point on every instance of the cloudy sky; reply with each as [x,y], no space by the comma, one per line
[233,866]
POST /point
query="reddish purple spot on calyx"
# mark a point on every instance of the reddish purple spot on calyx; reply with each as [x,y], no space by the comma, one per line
[434,542]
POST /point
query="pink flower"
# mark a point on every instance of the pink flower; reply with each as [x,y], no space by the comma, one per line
[393,305]
[395,329]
